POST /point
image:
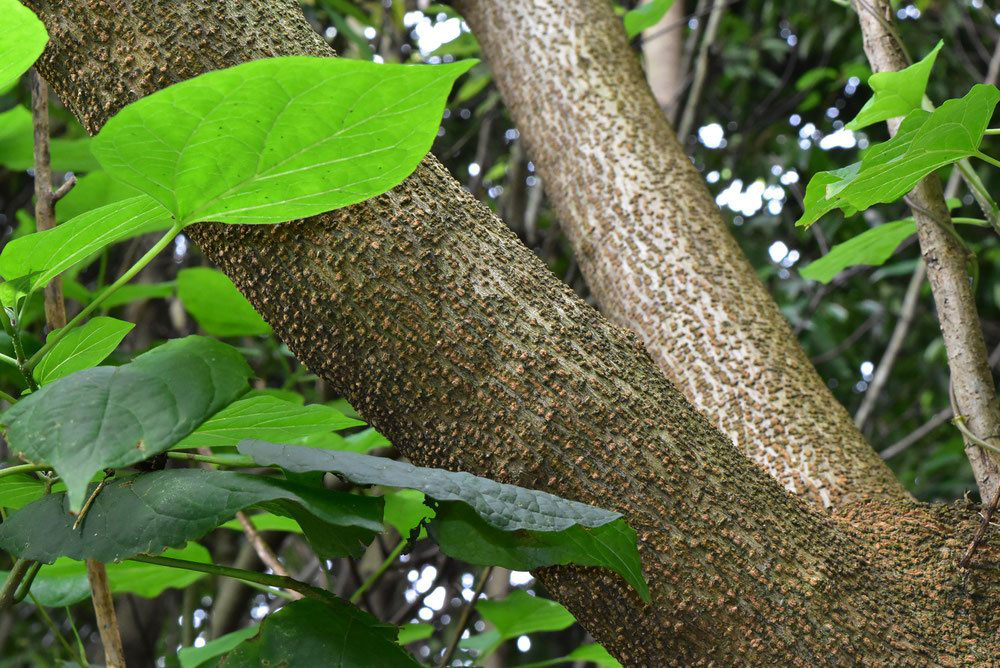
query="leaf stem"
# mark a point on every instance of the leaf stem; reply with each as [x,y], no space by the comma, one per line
[57,336]
[992,131]
[986,158]
[23,468]
[279,581]
[971,221]
[9,360]
[379,572]
[238,461]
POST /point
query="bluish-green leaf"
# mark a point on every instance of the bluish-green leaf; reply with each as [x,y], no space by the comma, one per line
[645,16]
[310,633]
[84,347]
[148,513]
[277,139]
[265,417]
[22,39]
[896,93]
[219,308]
[872,247]
[116,416]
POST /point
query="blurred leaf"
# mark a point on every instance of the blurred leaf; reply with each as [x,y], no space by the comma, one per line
[92,191]
[109,417]
[147,513]
[195,657]
[405,510]
[309,633]
[82,348]
[22,40]
[592,653]
[872,247]
[645,16]
[815,76]
[296,151]
[413,632]
[17,148]
[265,417]
[521,614]
[896,93]
[219,308]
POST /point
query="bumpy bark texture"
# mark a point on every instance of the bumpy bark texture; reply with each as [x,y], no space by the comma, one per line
[654,248]
[458,344]
[946,259]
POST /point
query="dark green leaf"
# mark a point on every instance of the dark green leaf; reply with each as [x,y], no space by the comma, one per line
[147,513]
[217,305]
[22,39]
[310,633]
[277,139]
[896,93]
[84,347]
[109,417]
[872,247]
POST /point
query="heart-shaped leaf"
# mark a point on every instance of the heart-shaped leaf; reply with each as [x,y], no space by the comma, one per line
[148,513]
[277,139]
[109,417]
[84,347]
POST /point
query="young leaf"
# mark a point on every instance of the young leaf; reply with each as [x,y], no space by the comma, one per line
[65,581]
[521,614]
[506,507]
[872,247]
[645,16]
[265,417]
[29,263]
[147,513]
[277,139]
[109,417]
[217,305]
[924,143]
[896,93]
[310,633]
[463,535]
[22,39]
[84,347]
[195,657]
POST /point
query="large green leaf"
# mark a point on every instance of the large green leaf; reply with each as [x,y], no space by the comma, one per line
[22,39]
[872,247]
[65,581]
[277,139]
[109,417]
[268,417]
[84,347]
[194,657]
[19,490]
[896,93]
[310,633]
[464,535]
[645,16]
[147,513]
[925,142]
[506,507]
[217,305]
[30,262]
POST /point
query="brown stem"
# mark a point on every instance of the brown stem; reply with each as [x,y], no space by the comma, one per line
[104,610]
[263,550]
[463,619]
[946,259]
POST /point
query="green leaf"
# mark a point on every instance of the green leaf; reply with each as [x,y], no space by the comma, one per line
[520,614]
[413,632]
[277,139]
[266,522]
[405,510]
[362,442]
[924,142]
[872,247]
[591,653]
[195,657]
[19,490]
[310,633]
[265,417]
[17,147]
[109,417]
[65,581]
[645,16]
[463,535]
[22,40]
[30,262]
[505,507]
[92,191]
[821,197]
[147,513]
[896,93]
[814,76]
[219,308]
[84,347]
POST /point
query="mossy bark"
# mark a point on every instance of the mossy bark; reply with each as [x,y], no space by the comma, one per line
[459,345]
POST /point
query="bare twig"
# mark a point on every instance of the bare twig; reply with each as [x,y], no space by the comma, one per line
[849,340]
[104,610]
[463,619]
[933,423]
[262,549]
[700,69]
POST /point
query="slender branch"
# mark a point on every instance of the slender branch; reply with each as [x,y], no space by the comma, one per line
[700,69]
[262,549]
[933,423]
[379,572]
[56,337]
[235,461]
[463,619]
[44,614]
[23,468]
[279,581]
[104,611]
[985,158]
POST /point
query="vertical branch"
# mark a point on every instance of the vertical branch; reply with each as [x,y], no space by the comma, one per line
[946,259]
[104,609]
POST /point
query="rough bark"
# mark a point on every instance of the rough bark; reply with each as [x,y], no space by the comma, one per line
[655,250]
[457,343]
[946,258]
[662,51]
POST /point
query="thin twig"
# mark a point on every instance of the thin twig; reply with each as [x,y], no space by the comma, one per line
[379,572]
[700,69]
[262,549]
[104,611]
[463,619]
[987,515]
[849,340]
[44,614]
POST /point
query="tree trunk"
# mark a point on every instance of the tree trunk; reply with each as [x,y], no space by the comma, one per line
[458,344]
[654,248]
